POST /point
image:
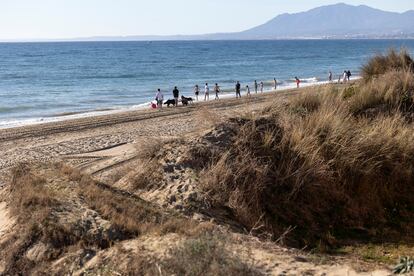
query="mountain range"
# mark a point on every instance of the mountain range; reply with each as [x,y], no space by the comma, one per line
[340,20]
[337,21]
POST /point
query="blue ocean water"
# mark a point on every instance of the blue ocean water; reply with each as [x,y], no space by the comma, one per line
[40,80]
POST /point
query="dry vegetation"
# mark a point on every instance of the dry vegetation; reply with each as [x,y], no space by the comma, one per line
[65,216]
[59,210]
[337,166]
[327,169]
[381,64]
[207,255]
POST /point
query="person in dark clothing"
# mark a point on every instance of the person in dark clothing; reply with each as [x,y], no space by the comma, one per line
[176,94]
[348,75]
[196,91]
[217,91]
[238,87]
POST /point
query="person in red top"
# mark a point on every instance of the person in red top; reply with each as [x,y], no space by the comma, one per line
[297,82]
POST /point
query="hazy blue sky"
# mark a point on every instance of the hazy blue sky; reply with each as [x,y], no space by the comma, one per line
[28,19]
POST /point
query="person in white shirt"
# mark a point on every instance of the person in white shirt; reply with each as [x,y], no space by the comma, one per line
[345,76]
[206,93]
[261,87]
[159,97]
[248,91]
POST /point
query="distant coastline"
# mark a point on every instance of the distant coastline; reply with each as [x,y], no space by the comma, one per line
[178,38]
[339,21]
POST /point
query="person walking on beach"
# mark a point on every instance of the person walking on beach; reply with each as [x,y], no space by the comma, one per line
[261,87]
[345,76]
[238,87]
[248,91]
[255,86]
[297,82]
[159,97]
[196,91]
[275,83]
[348,74]
[176,94]
[206,92]
[330,76]
[217,91]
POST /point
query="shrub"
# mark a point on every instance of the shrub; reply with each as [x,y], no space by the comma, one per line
[380,64]
[391,92]
[348,92]
[328,174]
[206,255]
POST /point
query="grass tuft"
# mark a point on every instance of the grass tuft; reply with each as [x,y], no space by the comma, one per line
[380,64]
[206,255]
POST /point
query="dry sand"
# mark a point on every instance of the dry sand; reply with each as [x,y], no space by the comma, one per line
[107,139]
[103,145]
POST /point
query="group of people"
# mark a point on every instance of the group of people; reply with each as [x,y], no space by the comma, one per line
[345,77]
[257,87]
[207,92]
[159,97]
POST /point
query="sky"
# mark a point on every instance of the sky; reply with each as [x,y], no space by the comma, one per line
[54,19]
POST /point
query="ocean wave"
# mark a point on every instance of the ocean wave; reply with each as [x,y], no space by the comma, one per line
[11,109]
[14,76]
[314,79]
[33,55]
[121,76]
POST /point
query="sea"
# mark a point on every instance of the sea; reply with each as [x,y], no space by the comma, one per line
[41,82]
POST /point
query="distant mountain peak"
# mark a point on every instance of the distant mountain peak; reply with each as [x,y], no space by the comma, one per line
[336,20]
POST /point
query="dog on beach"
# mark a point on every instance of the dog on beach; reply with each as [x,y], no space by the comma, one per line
[186,100]
[170,102]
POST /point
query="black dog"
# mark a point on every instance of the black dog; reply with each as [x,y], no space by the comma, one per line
[170,102]
[186,100]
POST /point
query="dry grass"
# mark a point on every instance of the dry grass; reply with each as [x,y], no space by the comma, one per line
[33,204]
[146,175]
[378,253]
[149,148]
[205,254]
[130,214]
[393,91]
[380,64]
[306,102]
[41,197]
[333,175]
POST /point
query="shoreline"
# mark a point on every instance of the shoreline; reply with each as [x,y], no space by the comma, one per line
[226,94]
[94,141]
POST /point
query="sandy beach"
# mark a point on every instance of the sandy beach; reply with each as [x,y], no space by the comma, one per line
[106,147]
[85,142]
